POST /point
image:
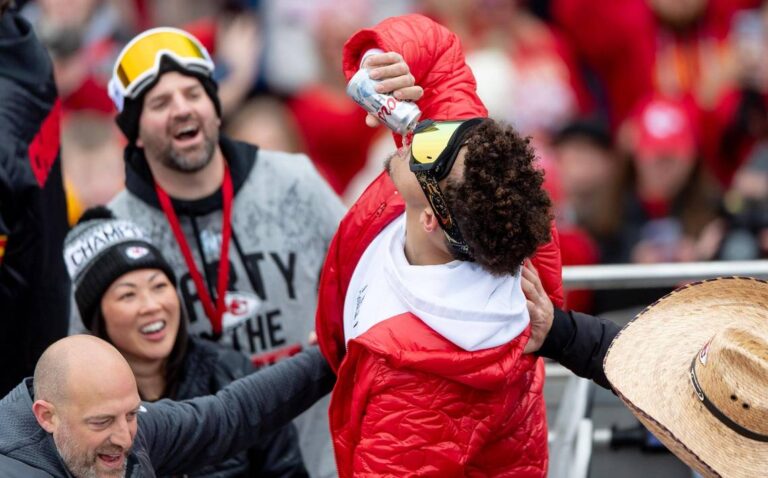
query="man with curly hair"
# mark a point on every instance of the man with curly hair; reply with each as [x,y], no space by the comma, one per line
[435,382]
[420,308]
[472,192]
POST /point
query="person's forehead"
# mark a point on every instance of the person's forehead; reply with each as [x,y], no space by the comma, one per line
[102,393]
[102,405]
[171,81]
[138,276]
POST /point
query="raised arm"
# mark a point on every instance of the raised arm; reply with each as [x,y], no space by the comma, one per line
[183,436]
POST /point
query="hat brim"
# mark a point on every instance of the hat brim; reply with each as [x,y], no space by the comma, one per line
[648,364]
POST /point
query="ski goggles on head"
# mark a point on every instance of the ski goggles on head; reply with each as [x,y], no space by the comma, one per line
[434,148]
[138,64]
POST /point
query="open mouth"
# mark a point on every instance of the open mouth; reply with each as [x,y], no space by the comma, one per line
[111,460]
[186,133]
[153,327]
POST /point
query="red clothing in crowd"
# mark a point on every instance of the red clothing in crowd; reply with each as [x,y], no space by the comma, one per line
[630,50]
[635,57]
[334,132]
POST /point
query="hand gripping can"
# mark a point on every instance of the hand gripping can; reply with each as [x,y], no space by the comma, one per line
[399,116]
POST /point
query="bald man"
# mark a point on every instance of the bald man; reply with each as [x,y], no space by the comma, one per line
[81,416]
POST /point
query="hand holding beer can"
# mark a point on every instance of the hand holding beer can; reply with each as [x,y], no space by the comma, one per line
[399,116]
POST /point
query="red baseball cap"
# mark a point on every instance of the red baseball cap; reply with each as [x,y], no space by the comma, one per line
[664,128]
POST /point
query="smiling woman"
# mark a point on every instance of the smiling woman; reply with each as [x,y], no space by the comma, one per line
[140,315]
[126,294]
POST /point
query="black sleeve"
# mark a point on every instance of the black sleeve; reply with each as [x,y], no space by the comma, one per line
[185,436]
[579,342]
[277,455]
[34,286]
[12,468]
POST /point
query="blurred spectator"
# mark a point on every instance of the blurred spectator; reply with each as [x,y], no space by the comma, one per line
[331,124]
[266,122]
[590,174]
[232,34]
[636,48]
[742,231]
[740,120]
[526,74]
[672,198]
[587,201]
[179,13]
[83,37]
[664,199]
[576,245]
[92,160]
[237,51]
[290,33]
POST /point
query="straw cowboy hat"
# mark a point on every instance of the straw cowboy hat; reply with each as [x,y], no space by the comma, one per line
[693,367]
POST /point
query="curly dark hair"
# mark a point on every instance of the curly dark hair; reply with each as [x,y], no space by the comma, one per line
[499,205]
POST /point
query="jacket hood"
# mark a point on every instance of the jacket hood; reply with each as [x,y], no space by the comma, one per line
[425,350]
[466,305]
[21,437]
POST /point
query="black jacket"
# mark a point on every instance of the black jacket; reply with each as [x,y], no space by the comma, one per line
[209,367]
[34,286]
[180,437]
[579,342]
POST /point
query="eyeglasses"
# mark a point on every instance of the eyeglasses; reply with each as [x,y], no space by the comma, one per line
[434,148]
[139,62]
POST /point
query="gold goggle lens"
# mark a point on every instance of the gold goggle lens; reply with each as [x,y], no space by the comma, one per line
[140,57]
[429,143]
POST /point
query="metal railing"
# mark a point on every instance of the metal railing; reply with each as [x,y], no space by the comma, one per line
[626,276]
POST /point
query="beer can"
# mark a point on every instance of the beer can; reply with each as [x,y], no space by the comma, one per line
[399,116]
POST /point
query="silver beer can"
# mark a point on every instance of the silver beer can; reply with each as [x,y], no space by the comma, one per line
[399,116]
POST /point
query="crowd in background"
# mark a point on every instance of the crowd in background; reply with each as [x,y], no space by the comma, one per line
[650,117]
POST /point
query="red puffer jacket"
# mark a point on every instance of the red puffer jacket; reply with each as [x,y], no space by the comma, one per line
[436,61]
[408,402]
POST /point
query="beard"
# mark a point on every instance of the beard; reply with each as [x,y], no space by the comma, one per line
[192,162]
[183,161]
[82,463]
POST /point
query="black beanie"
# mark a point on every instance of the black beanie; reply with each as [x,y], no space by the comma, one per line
[101,248]
[128,118]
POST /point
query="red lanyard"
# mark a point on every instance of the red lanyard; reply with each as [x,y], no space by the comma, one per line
[214,314]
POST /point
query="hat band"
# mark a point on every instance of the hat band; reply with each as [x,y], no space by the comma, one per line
[724,419]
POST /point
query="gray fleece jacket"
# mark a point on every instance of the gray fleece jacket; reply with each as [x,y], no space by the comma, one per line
[177,437]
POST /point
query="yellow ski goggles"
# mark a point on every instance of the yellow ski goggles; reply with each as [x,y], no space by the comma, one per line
[138,64]
[434,148]
[436,144]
